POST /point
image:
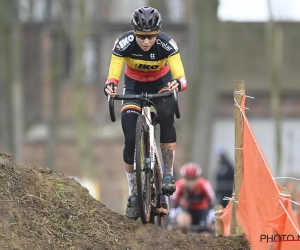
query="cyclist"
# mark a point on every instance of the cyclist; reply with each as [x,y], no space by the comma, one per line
[193,198]
[153,65]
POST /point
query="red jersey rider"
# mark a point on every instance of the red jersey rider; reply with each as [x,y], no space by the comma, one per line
[194,195]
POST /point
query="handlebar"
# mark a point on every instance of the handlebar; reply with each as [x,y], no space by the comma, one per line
[144,96]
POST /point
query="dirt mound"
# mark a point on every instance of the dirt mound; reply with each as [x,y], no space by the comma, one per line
[42,209]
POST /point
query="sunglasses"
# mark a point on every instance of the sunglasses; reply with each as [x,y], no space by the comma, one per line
[143,37]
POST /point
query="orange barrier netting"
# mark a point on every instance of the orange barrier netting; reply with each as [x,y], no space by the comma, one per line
[226,218]
[298,210]
[260,209]
[283,225]
[264,215]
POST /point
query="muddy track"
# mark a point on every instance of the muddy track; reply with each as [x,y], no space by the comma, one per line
[43,209]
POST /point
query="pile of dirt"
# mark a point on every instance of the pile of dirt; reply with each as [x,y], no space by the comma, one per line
[42,209]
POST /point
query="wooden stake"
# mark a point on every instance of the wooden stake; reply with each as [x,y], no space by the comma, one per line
[218,222]
[239,90]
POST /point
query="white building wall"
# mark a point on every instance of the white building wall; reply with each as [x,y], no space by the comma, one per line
[121,10]
[264,132]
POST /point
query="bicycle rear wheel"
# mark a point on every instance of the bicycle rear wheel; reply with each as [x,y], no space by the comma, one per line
[143,170]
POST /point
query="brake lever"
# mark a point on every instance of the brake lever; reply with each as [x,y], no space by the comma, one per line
[175,94]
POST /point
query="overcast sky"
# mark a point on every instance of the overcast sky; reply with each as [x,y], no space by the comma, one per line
[257,10]
[229,10]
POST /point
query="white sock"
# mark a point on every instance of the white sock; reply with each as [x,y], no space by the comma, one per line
[131,178]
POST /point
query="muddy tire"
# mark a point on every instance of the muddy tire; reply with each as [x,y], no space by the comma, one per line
[143,176]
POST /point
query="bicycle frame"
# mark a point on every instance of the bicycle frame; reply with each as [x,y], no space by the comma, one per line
[152,143]
[153,152]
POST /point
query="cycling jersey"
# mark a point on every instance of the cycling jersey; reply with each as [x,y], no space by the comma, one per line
[198,199]
[146,66]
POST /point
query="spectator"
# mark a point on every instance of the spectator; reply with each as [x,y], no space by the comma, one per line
[224,177]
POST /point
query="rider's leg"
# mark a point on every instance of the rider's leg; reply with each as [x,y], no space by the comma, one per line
[129,114]
[131,178]
[165,112]
[168,155]
[184,221]
[199,219]
[128,125]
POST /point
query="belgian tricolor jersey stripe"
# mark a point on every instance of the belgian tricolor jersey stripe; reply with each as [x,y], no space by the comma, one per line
[145,66]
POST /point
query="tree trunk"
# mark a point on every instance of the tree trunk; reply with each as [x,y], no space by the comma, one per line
[48,10]
[17,85]
[31,5]
[5,93]
[274,45]
[203,83]
[79,31]
[56,75]
[53,73]
[160,6]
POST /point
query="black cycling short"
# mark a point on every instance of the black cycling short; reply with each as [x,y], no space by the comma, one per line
[199,218]
[132,108]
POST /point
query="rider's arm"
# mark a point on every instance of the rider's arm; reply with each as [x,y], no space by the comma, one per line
[178,70]
[115,69]
[175,198]
[173,57]
[174,201]
[119,53]
[209,191]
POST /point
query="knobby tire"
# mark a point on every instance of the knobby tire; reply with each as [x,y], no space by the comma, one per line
[143,178]
[157,219]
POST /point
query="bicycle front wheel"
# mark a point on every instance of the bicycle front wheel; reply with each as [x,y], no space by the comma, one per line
[158,219]
[143,171]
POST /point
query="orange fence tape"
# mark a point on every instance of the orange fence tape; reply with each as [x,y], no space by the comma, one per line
[226,218]
[260,212]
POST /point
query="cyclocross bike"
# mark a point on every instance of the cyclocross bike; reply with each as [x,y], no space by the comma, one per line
[147,164]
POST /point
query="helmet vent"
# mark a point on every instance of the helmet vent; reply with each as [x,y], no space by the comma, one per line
[146,19]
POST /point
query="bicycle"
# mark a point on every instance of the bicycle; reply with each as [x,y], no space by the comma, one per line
[147,163]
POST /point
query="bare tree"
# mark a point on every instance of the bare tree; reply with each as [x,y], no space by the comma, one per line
[5,90]
[57,67]
[274,45]
[11,78]
[160,6]
[79,33]
[17,84]
[203,83]
[30,10]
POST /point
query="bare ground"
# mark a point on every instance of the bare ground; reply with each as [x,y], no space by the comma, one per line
[43,209]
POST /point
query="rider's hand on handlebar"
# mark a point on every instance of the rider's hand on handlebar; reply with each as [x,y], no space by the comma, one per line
[111,89]
[173,85]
